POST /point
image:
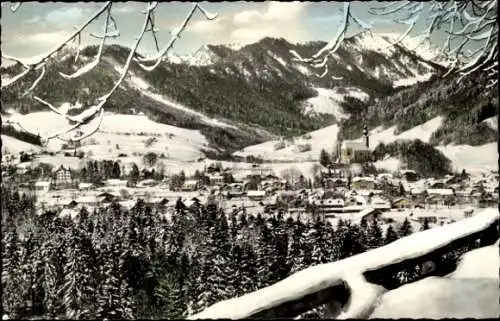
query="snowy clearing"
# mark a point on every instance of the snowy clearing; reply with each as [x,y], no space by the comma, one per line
[316,278]
[412,80]
[129,132]
[475,159]
[328,101]
[324,138]
[423,132]
[14,146]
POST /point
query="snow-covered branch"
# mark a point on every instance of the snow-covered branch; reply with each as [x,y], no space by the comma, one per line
[349,276]
[176,33]
[466,23]
[110,30]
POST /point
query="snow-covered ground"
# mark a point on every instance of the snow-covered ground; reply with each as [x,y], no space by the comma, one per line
[11,145]
[412,80]
[475,159]
[122,130]
[492,122]
[324,138]
[471,291]
[423,132]
[328,101]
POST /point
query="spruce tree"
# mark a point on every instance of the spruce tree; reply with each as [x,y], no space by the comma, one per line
[405,229]
[425,225]
[390,235]
[11,274]
[374,236]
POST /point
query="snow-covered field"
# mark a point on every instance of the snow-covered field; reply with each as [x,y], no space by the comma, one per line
[324,138]
[328,101]
[475,159]
[122,130]
[14,146]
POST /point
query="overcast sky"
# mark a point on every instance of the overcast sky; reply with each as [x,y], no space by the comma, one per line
[35,27]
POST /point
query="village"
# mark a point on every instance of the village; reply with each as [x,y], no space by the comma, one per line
[342,189]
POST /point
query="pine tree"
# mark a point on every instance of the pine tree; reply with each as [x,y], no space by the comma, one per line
[390,235]
[374,235]
[425,225]
[11,274]
[324,158]
[405,229]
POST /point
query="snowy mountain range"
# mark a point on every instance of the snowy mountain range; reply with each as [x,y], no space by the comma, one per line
[238,96]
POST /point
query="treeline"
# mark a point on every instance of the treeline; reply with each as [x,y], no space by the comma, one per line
[113,263]
[417,155]
[21,135]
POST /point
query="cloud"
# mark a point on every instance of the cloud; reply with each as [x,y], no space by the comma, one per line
[205,27]
[274,19]
[65,15]
[45,39]
[124,9]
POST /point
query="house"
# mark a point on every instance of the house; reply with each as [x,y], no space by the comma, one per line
[62,178]
[43,186]
[115,183]
[440,191]
[190,185]
[105,197]
[147,183]
[85,186]
[379,203]
[335,182]
[409,175]
[235,190]
[216,179]
[355,152]
[256,195]
[327,206]
[359,183]
[367,214]
[402,202]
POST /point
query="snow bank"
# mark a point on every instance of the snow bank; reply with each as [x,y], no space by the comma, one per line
[492,122]
[316,278]
[437,298]
[479,263]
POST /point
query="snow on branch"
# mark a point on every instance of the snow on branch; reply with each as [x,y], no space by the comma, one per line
[176,33]
[32,65]
[110,30]
[467,23]
[350,272]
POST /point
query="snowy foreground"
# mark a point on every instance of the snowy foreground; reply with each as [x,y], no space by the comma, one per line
[472,281]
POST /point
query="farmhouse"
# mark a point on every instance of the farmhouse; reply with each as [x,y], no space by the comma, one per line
[190,185]
[256,195]
[402,202]
[116,183]
[85,186]
[42,186]
[360,183]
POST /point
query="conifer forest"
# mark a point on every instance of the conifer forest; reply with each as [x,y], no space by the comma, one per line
[117,264]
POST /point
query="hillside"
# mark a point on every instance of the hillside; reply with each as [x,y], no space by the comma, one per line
[236,96]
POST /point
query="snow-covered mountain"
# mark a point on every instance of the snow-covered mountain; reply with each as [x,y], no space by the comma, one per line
[237,95]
